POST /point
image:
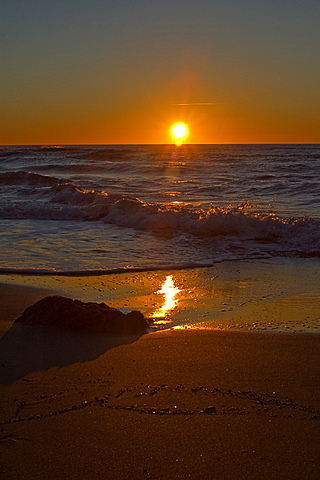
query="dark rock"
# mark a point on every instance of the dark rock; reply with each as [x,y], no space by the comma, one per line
[75,316]
[210,410]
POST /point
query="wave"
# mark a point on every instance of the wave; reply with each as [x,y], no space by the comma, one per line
[49,198]
[106,154]
[27,178]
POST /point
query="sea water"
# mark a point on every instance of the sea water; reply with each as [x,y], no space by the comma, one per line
[244,218]
[86,208]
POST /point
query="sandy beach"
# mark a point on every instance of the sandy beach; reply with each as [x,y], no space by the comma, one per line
[179,403]
[160,240]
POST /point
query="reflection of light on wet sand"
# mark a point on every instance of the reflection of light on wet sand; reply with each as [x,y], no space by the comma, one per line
[170,301]
[184,327]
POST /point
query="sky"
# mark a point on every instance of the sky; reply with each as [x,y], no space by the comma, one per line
[123,71]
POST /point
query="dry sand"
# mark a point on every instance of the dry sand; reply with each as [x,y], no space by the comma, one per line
[199,404]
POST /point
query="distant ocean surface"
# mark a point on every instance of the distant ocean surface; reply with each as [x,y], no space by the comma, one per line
[86,208]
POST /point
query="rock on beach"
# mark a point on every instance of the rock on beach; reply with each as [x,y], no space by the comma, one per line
[63,313]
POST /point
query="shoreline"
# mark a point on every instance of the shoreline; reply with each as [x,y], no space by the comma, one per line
[278,294]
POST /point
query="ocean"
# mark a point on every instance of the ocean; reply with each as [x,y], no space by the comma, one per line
[87,208]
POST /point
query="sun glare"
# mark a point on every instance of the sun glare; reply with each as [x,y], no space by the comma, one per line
[179,132]
[170,291]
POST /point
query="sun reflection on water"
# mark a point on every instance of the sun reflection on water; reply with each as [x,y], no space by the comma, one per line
[170,291]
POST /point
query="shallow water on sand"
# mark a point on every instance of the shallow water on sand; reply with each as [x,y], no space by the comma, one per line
[242,295]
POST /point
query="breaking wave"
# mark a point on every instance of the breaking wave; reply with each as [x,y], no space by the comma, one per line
[43,197]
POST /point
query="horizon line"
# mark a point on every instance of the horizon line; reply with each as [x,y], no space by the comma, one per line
[169,143]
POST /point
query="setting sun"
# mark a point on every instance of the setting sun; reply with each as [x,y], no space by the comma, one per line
[179,132]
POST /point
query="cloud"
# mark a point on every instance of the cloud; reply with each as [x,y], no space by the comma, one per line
[198,104]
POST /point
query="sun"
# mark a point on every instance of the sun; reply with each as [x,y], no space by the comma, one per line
[179,132]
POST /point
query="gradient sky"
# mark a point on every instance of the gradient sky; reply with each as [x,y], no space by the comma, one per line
[115,71]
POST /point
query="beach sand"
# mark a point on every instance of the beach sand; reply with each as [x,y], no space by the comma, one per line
[182,403]
[275,294]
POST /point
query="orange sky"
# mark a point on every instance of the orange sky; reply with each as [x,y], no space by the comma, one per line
[90,72]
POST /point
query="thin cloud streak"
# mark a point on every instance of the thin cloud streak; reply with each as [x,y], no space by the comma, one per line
[200,104]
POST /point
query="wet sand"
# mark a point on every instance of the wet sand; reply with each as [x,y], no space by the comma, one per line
[273,294]
[197,404]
